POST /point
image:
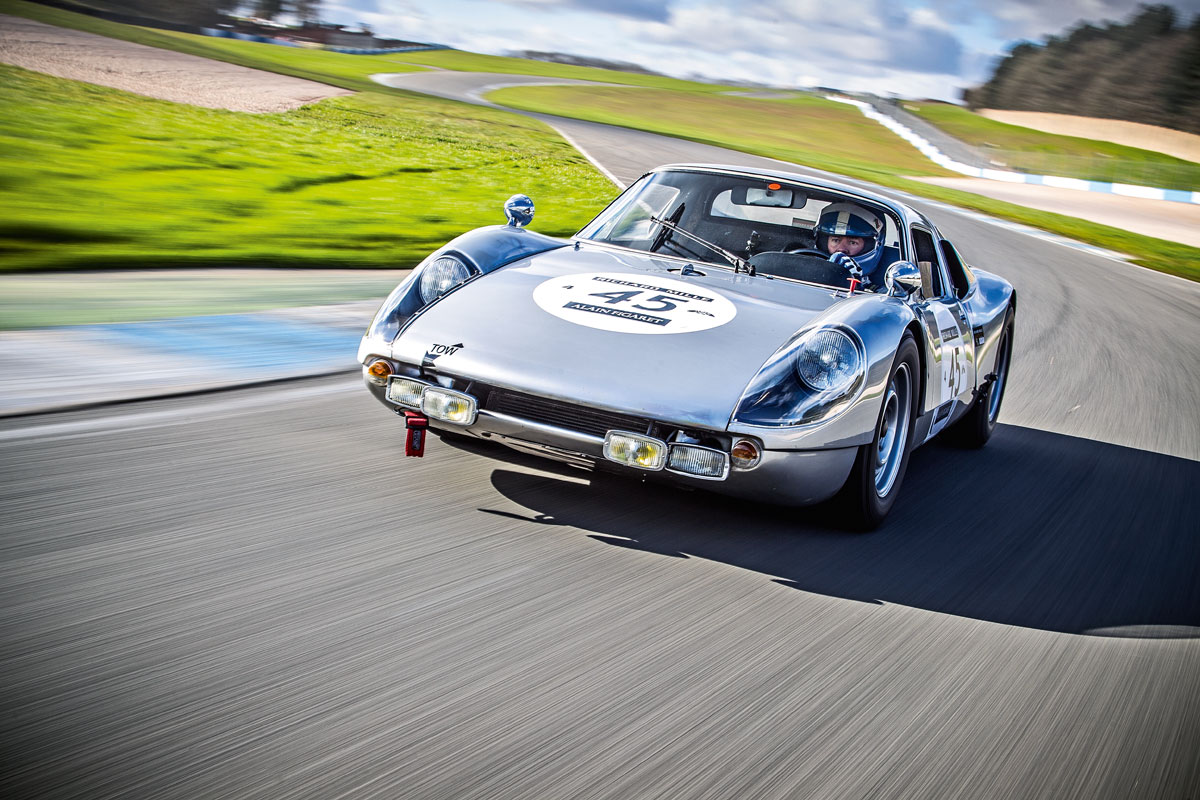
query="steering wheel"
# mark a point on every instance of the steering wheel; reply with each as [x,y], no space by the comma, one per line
[809,251]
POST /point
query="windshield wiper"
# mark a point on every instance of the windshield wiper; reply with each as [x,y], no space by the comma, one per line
[739,264]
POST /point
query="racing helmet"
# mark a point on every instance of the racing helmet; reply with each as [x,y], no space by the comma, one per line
[849,219]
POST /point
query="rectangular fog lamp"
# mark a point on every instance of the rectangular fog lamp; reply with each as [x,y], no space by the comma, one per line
[405,391]
[635,450]
[699,462]
[449,406]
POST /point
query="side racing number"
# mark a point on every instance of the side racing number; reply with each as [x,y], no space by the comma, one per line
[955,374]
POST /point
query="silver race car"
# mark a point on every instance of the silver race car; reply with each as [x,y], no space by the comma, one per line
[759,334]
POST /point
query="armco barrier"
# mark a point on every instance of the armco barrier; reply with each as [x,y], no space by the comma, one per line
[360,51]
[937,157]
[357,51]
[247,37]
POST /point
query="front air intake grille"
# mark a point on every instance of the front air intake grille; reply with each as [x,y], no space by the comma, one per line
[562,415]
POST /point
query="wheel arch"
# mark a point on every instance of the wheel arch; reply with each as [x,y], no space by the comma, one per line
[920,337]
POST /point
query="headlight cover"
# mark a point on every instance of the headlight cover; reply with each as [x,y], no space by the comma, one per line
[827,360]
[811,379]
[440,276]
[432,278]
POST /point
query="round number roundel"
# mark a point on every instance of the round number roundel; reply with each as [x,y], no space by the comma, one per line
[633,303]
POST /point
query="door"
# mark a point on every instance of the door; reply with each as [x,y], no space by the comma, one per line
[951,367]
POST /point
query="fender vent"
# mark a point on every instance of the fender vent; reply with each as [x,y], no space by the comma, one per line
[563,415]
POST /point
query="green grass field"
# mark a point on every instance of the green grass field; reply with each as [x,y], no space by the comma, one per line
[806,128]
[477,62]
[1027,150]
[94,177]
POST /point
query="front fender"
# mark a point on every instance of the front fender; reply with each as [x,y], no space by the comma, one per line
[483,249]
[492,247]
[880,322]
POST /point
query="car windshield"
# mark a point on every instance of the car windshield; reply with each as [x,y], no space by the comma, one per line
[730,218]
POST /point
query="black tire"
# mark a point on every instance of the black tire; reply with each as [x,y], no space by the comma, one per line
[874,482]
[979,423]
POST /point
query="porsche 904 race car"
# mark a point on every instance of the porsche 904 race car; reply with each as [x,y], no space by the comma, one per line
[697,332]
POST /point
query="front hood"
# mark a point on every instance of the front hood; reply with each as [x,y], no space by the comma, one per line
[614,329]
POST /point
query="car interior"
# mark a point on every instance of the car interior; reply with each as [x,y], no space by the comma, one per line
[769,223]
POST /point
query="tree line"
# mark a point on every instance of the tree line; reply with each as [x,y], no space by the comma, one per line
[1145,70]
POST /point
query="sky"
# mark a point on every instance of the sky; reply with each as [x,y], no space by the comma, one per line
[906,48]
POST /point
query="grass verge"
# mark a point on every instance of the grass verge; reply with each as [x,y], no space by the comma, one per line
[98,178]
[804,132]
[1039,153]
[477,62]
[816,131]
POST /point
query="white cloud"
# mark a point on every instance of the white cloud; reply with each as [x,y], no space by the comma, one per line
[928,18]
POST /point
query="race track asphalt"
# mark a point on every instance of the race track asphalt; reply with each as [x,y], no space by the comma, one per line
[251,594]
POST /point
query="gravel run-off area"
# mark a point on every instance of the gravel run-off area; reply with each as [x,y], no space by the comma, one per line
[1132,134]
[152,72]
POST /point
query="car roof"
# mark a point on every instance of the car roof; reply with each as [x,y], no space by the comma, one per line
[907,213]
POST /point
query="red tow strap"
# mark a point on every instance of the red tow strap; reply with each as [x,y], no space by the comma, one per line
[414,440]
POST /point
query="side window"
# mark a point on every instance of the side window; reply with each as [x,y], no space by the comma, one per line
[960,276]
[927,261]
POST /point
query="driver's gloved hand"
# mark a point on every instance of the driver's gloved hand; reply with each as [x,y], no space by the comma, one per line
[843,260]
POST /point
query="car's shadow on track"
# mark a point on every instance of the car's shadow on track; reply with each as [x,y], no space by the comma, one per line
[1037,530]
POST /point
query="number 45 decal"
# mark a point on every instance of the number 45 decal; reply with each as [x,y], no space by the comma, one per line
[664,303]
[955,373]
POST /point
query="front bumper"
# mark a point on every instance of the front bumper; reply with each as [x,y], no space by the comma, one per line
[783,477]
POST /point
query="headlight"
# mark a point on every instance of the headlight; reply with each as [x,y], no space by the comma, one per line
[699,462]
[827,360]
[443,274]
[812,378]
[635,450]
[449,406]
[405,391]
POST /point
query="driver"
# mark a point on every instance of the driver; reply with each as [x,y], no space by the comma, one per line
[853,237]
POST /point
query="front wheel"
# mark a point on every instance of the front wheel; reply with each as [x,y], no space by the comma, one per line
[879,467]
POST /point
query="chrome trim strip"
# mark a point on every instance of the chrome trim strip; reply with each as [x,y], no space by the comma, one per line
[512,423]
[546,451]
